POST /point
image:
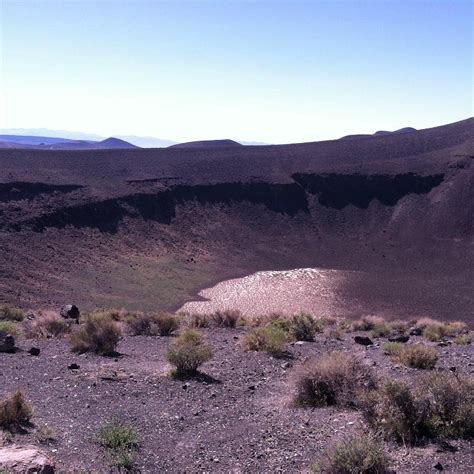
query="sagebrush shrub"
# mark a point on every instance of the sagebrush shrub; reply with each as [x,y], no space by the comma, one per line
[98,334]
[162,324]
[11,313]
[333,379]
[439,405]
[269,339]
[392,348]
[188,352]
[303,327]
[418,356]
[195,320]
[367,323]
[361,454]
[15,411]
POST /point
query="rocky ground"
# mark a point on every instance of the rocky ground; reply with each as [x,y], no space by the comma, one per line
[236,417]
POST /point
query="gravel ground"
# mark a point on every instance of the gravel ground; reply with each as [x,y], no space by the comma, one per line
[235,418]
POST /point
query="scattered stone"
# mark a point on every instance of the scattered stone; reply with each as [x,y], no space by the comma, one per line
[416,332]
[73,366]
[398,337]
[299,343]
[70,311]
[34,351]
[438,466]
[252,387]
[28,459]
[452,369]
[444,344]
[7,342]
[363,340]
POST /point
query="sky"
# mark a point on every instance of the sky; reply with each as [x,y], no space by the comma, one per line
[270,71]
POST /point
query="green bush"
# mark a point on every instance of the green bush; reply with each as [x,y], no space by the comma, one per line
[269,339]
[15,411]
[120,442]
[464,339]
[392,348]
[361,454]
[188,352]
[11,313]
[418,356]
[98,334]
[333,379]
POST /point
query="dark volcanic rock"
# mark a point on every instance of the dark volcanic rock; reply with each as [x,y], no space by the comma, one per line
[70,311]
[7,342]
[363,340]
[34,351]
[416,331]
[398,336]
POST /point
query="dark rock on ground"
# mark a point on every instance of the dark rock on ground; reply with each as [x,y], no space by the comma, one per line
[70,311]
[398,337]
[73,366]
[34,351]
[415,331]
[363,340]
[7,342]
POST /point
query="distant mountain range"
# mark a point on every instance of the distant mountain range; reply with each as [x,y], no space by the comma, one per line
[56,143]
[380,133]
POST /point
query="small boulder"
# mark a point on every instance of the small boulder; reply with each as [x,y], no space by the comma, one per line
[398,336]
[34,351]
[25,459]
[70,311]
[7,342]
[73,366]
[363,340]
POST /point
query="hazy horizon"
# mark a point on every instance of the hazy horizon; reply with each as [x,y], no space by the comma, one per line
[274,72]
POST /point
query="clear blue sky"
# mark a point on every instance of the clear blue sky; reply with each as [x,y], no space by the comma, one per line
[273,71]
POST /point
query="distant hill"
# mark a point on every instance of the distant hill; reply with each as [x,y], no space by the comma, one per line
[380,133]
[208,144]
[52,143]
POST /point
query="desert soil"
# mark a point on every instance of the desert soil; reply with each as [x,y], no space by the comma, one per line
[236,417]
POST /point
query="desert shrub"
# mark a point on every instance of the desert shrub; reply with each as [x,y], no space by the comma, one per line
[345,325]
[281,323]
[368,323]
[163,324]
[392,348]
[418,356]
[435,332]
[15,411]
[195,320]
[98,334]
[120,442]
[303,327]
[334,333]
[380,330]
[11,313]
[269,339]
[46,325]
[45,435]
[464,339]
[440,405]
[8,327]
[227,318]
[361,454]
[188,352]
[334,379]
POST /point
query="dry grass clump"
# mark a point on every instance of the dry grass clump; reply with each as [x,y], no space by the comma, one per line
[392,348]
[99,334]
[188,352]
[441,405]
[120,442]
[367,323]
[303,327]
[361,454]
[465,339]
[8,327]
[15,411]
[161,324]
[334,379]
[11,313]
[436,331]
[226,319]
[418,356]
[269,339]
[46,325]
[45,435]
